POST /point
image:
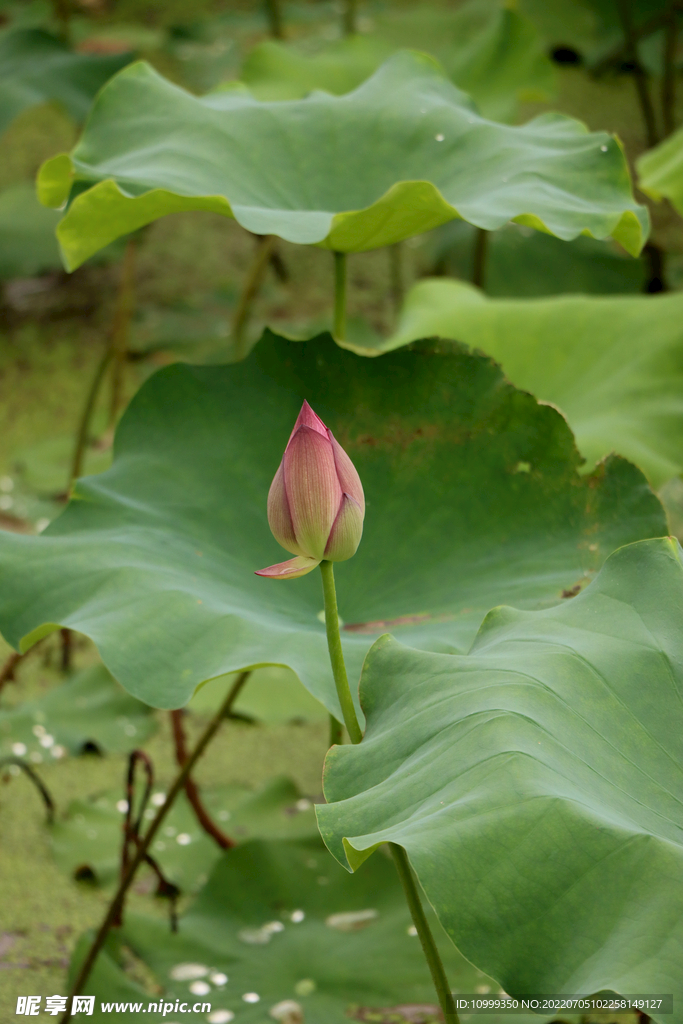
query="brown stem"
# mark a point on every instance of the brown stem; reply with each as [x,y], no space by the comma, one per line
[481,245]
[639,76]
[131,828]
[669,77]
[250,289]
[7,671]
[191,789]
[145,843]
[121,328]
[37,782]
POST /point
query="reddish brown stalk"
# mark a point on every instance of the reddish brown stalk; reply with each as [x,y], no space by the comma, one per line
[191,790]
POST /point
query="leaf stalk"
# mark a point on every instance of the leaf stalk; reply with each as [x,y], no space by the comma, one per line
[339,329]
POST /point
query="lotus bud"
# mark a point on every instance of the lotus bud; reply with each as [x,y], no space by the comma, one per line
[316,503]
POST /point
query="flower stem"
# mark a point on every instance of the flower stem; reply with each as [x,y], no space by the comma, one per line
[336,735]
[398,853]
[339,329]
[425,936]
[341,680]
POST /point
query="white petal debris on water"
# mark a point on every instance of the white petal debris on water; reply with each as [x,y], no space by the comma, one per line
[251,997]
[221,1017]
[188,972]
[297,916]
[287,1012]
[200,988]
[260,936]
[352,920]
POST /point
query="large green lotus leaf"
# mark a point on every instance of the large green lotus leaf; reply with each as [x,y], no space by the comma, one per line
[660,170]
[537,783]
[320,170]
[89,711]
[489,51]
[613,364]
[27,234]
[36,67]
[86,841]
[327,963]
[473,498]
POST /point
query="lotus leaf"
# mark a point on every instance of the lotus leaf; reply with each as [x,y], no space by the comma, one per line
[473,498]
[321,171]
[36,67]
[537,783]
[660,170]
[612,364]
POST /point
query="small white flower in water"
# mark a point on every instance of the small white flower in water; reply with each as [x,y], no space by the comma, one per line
[122,806]
[158,799]
[183,839]
[188,972]
[19,749]
[303,804]
[288,1011]
[200,988]
[254,936]
[47,740]
[305,987]
[297,916]
[411,929]
[439,137]
[352,920]
[218,978]
[221,1017]
[58,751]
[273,926]
[251,997]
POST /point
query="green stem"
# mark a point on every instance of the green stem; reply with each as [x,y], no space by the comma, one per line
[350,17]
[425,936]
[86,416]
[121,328]
[341,680]
[339,329]
[116,904]
[639,76]
[274,13]
[481,246]
[250,289]
[669,77]
[397,277]
[398,853]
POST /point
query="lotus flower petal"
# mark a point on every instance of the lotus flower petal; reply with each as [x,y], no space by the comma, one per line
[347,474]
[290,569]
[346,532]
[279,517]
[313,491]
[308,418]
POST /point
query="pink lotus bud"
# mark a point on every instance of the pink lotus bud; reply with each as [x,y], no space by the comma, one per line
[315,503]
